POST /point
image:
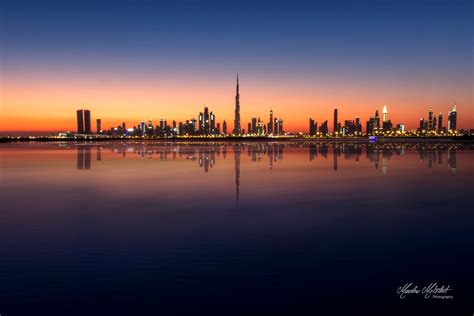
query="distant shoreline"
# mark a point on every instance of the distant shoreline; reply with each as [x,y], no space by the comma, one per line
[460,139]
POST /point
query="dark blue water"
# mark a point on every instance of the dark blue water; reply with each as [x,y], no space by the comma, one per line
[225,228]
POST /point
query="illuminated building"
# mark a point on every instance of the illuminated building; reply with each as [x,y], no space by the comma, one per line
[237,128]
[384,113]
[212,123]
[201,122]
[440,122]
[335,130]
[206,121]
[430,119]
[280,127]
[98,126]
[422,124]
[270,123]
[452,117]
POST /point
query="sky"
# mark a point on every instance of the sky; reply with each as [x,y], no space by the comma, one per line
[128,61]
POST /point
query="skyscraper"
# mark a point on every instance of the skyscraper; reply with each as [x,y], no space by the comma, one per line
[280,127]
[83,122]
[430,119]
[270,123]
[206,120]
[201,123]
[224,127]
[213,123]
[87,122]
[98,121]
[384,113]
[335,130]
[422,124]
[312,127]
[377,119]
[237,129]
[80,121]
[253,126]
[440,122]
[452,117]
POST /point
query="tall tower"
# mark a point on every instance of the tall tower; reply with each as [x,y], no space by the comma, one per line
[270,123]
[224,127]
[452,117]
[87,122]
[237,129]
[384,113]
[84,122]
[206,120]
[430,120]
[80,121]
[335,122]
[440,121]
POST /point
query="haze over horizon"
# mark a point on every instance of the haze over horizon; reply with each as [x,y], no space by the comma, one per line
[131,61]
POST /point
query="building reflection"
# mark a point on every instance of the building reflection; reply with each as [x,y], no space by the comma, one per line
[84,157]
[207,155]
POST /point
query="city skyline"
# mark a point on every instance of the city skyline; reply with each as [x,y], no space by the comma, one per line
[149,61]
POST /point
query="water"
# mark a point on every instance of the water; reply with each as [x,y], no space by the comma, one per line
[234,228]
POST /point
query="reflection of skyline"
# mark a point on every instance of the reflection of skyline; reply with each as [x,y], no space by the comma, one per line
[207,156]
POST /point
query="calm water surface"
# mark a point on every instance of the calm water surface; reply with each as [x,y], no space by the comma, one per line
[234,228]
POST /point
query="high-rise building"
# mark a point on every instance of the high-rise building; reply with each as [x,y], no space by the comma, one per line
[335,130]
[237,128]
[87,122]
[270,123]
[312,127]
[253,127]
[98,125]
[83,122]
[224,127]
[206,120]
[212,123]
[377,119]
[275,126]
[434,123]
[440,122]
[249,128]
[358,127]
[422,124]
[201,123]
[384,113]
[280,127]
[452,118]
[430,120]
[80,121]
[323,129]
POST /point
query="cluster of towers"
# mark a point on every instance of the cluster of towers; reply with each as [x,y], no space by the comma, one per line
[436,123]
[259,128]
[350,127]
[207,125]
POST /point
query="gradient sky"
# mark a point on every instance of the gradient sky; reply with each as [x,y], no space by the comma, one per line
[139,60]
